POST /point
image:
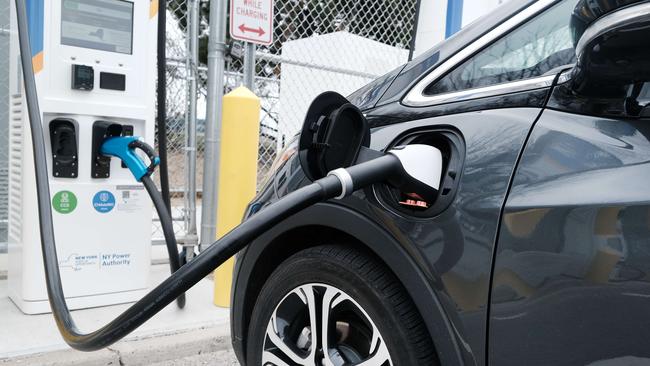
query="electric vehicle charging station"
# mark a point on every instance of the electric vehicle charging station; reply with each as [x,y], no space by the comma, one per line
[94,64]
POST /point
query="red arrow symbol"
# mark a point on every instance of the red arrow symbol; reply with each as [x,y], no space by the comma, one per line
[260,32]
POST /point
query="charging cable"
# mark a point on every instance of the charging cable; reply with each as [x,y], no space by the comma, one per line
[124,148]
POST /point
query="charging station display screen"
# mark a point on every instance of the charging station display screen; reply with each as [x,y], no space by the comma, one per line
[105,25]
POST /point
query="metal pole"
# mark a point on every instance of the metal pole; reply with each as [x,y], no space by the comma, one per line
[191,239]
[249,66]
[414,28]
[188,111]
[216,63]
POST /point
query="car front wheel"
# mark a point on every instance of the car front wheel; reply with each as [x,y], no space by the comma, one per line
[333,305]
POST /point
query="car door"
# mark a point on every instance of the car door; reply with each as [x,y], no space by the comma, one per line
[479,109]
[571,280]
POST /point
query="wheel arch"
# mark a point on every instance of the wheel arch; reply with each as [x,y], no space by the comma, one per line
[326,223]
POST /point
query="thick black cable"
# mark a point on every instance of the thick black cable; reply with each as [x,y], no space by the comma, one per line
[161,102]
[188,275]
[168,229]
[161,122]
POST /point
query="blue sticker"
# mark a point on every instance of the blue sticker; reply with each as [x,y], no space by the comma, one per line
[104,201]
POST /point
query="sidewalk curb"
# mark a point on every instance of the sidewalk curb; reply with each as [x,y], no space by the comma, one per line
[137,351]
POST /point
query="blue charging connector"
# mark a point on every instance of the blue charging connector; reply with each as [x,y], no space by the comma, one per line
[124,148]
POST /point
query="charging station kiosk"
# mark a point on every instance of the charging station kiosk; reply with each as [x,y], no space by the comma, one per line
[95,69]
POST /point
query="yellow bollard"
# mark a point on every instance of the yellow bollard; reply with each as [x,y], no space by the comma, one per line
[240,129]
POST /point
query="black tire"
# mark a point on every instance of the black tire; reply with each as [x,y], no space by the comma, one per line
[365,280]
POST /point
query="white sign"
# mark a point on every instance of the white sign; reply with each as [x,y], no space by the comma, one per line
[252,21]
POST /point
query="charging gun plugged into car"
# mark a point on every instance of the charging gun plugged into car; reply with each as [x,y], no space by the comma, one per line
[333,150]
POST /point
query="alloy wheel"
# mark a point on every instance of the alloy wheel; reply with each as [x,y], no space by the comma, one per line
[320,325]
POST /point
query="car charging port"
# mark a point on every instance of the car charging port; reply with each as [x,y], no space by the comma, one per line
[413,201]
[452,147]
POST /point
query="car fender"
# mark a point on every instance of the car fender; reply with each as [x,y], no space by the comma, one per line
[379,241]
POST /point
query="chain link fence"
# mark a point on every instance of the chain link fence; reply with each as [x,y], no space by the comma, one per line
[182,67]
[4,121]
[176,103]
[318,45]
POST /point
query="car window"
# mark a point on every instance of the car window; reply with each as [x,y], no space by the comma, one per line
[535,48]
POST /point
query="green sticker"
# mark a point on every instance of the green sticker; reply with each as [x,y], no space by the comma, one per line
[64,202]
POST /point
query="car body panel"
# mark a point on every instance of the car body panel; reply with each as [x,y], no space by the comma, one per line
[571,283]
[398,113]
[457,245]
[454,259]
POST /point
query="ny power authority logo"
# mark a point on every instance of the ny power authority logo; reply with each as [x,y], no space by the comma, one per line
[103,201]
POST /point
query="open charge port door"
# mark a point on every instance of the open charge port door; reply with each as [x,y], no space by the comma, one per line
[101,164]
[63,140]
[452,146]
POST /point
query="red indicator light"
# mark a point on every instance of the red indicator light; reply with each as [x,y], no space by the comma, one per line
[413,200]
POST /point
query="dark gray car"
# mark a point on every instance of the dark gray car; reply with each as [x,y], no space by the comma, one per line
[536,250]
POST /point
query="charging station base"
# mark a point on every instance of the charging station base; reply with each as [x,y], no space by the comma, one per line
[102,216]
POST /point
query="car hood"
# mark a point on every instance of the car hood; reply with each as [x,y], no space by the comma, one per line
[368,96]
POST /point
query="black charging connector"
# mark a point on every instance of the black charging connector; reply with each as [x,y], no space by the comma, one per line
[63,140]
[101,164]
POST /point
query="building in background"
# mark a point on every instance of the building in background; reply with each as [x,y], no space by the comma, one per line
[439,19]
[339,61]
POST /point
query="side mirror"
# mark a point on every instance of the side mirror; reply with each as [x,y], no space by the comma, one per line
[612,50]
